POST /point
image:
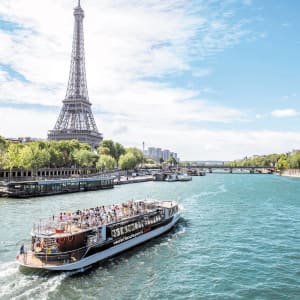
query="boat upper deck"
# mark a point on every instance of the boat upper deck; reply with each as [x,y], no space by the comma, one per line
[70,223]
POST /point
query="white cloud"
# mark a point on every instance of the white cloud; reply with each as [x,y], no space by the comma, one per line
[20,123]
[202,72]
[125,42]
[190,143]
[206,144]
[260,116]
[283,113]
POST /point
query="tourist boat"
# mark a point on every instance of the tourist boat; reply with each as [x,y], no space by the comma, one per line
[72,241]
[184,177]
[171,177]
[194,172]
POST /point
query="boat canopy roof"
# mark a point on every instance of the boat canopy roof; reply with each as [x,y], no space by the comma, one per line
[58,181]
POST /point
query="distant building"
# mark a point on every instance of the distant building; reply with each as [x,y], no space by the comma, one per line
[174,155]
[166,154]
[157,154]
[22,140]
[151,153]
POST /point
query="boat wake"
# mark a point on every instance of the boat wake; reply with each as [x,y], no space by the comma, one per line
[180,228]
[27,285]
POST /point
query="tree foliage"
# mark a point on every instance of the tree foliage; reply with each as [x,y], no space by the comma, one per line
[137,153]
[12,156]
[45,154]
[69,153]
[33,157]
[119,150]
[105,162]
[172,161]
[84,158]
[108,147]
[3,146]
[128,161]
[280,161]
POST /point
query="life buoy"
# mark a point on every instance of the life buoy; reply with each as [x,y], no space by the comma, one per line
[60,241]
[71,238]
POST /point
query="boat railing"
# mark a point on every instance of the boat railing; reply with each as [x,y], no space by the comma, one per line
[42,259]
[46,227]
[51,226]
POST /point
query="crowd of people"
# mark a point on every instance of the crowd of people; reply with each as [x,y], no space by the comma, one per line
[101,214]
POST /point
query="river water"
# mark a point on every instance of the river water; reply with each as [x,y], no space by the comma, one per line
[239,238]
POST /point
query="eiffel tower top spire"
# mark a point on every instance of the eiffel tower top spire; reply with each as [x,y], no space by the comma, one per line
[76,120]
[77,87]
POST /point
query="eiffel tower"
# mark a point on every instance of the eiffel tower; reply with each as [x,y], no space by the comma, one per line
[76,119]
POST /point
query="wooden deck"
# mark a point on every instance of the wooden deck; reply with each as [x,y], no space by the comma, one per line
[30,260]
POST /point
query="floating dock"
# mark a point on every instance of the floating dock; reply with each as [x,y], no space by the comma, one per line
[25,189]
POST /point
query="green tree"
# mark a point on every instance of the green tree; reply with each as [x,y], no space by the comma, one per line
[150,161]
[273,159]
[84,146]
[128,161]
[104,151]
[137,153]
[12,156]
[282,163]
[294,160]
[3,146]
[119,150]
[84,158]
[172,161]
[67,148]
[107,144]
[56,156]
[105,162]
[108,147]
[32,157]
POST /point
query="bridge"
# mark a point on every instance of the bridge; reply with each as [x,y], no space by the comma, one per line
[230,169]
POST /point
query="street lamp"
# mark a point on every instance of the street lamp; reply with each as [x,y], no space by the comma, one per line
[143,154]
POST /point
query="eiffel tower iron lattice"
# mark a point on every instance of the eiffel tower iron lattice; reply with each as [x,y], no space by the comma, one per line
[76,119]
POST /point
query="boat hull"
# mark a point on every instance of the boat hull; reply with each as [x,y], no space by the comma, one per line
[105,254]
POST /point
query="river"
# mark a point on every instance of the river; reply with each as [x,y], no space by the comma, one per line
[239,238]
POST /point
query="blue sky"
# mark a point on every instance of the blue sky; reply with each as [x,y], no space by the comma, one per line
[207,79]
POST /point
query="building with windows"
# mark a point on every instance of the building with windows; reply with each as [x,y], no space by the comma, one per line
[157,154]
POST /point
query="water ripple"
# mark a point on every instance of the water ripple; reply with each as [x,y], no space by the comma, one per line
[238,239]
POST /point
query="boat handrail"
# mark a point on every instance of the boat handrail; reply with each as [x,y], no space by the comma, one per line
[68,257]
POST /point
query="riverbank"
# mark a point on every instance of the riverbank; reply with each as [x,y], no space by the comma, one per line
[291,173]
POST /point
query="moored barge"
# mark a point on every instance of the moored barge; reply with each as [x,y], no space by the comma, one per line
[72,241]
[25,189]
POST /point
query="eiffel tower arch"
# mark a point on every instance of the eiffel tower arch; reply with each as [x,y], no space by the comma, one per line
[76,120]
